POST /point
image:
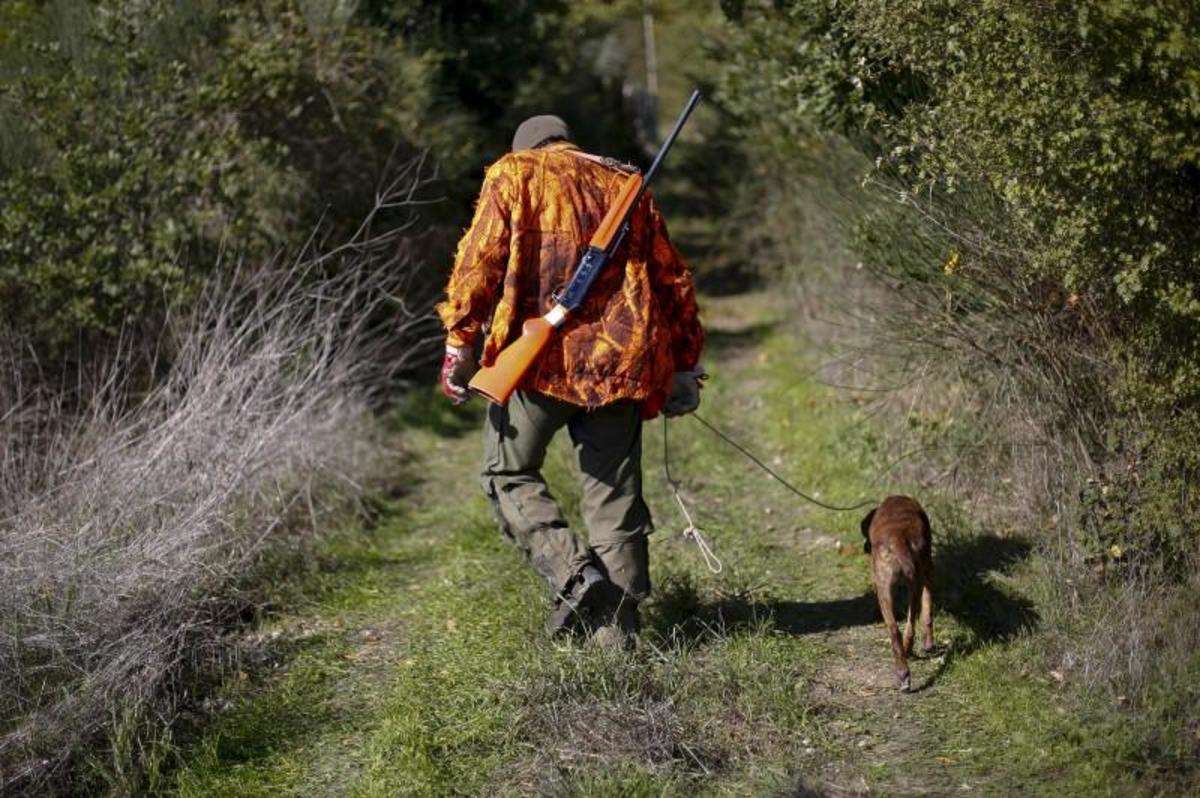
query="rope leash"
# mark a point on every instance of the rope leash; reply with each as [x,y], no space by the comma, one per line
[692,532]
[775,476]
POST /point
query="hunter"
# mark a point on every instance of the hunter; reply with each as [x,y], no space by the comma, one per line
[630,352]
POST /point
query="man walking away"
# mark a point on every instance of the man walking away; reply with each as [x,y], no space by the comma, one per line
[630,352]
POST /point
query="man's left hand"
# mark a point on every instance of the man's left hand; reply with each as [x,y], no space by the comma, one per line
[685,392]
[458,367]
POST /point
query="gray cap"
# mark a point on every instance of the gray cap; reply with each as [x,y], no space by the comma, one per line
[536,129]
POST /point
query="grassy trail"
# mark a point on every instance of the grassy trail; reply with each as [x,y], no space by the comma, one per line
[415,664]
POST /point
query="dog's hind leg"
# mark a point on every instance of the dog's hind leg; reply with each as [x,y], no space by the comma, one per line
[883,590]
[927,606]
[914,600]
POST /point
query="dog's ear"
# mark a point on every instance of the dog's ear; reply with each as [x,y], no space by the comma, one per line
[866,524]
[866,531]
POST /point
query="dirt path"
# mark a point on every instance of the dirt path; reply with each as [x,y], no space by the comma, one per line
[414,663]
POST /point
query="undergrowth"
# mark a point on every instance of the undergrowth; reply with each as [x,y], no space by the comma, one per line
[138,524]
[416,665]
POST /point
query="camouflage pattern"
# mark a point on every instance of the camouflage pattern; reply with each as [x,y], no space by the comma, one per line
[536,212]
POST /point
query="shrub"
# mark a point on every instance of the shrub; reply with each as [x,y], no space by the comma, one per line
[140,141]
[1019,180]
[180,396]
[1035,194]
[130,528]
[163,140]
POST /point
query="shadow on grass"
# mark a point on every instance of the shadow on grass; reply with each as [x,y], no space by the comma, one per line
[963,589]
[429,409]
[718,344]
[679,611]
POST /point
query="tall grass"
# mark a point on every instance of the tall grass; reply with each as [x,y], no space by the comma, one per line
[130,522]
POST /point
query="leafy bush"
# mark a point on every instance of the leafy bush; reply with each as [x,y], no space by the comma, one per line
[1020,180]
[1036,169]
[157,144]
[177,181]
[141,141]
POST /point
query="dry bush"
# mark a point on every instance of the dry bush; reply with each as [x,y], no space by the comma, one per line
[128,523]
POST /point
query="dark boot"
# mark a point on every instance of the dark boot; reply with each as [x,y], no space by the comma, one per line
[618,625]
[588,591]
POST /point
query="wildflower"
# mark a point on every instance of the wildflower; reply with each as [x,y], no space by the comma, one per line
[952,262]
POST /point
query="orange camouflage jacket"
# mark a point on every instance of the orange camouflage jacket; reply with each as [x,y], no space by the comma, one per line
[639,324]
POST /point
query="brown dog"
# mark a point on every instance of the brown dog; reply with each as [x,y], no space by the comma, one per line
[900,543]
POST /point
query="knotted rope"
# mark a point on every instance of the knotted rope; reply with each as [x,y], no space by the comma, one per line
[692,532]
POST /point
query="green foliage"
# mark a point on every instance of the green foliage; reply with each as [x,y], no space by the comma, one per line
[1046,159]
[569,62]
[1083,119]
[140,165]
[146,145]
[801,68]
[1139,512]
[71,219]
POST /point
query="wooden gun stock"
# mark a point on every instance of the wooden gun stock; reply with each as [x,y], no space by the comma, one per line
[499,380]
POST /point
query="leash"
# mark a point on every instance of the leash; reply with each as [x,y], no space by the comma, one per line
[692,532]
[775,476]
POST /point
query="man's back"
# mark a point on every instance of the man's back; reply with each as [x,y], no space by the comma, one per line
[537,211]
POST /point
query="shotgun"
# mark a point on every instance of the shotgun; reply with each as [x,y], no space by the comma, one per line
[497,381]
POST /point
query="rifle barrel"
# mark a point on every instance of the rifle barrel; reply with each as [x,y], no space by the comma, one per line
[683,117]
[662,152]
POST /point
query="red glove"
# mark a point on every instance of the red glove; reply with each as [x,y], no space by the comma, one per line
[458,366]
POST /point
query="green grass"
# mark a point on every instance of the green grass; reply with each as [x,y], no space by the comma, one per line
[410,661]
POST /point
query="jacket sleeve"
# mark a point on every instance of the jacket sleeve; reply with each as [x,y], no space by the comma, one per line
[676,294]
[479,262]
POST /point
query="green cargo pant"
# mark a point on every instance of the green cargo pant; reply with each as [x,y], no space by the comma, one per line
[608,450]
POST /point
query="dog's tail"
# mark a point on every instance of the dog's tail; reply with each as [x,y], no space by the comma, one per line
[904,560]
